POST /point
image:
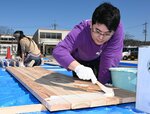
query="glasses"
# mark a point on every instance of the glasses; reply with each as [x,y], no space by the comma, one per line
[100,33]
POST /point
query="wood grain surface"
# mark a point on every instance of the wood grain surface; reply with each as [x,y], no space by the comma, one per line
[59,92]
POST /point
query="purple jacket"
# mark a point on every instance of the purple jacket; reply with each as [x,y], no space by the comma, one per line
[78,45]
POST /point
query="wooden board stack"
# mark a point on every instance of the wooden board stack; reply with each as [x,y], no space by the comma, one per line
[59,92]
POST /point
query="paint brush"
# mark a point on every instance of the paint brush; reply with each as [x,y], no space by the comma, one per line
[108,91]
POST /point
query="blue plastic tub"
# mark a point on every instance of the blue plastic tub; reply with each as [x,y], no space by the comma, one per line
[124,78]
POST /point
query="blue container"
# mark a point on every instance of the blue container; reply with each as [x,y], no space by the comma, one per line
[124,78]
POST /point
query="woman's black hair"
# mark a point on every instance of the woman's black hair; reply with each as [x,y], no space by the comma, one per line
[21,34]
[108,15]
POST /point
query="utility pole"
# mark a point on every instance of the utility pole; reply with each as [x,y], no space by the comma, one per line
[54,26]
[145,30]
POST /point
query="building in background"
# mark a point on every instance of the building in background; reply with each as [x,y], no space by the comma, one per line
[48,39]
[7,41]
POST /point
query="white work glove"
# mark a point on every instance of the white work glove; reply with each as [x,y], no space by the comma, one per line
[85,73]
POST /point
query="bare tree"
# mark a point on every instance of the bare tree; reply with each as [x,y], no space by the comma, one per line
[128,36]
[6,30]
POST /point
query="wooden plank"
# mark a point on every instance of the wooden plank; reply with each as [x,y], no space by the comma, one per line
[28,83]
[86,85]
[59,92]
[22,109]
[55,103]
[99,99]
[40,92]
[74,100]
[124,95]
[47,81]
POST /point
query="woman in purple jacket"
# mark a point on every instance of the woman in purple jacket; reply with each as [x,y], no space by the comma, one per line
[93,46]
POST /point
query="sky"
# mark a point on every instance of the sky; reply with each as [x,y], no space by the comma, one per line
[30,15]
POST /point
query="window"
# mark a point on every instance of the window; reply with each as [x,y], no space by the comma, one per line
[47,35]
[42,35]
[11,39]
[51,35]
[59,35]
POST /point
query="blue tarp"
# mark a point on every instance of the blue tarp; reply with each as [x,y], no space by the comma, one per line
[118,109]
[14,94]
[124,64]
